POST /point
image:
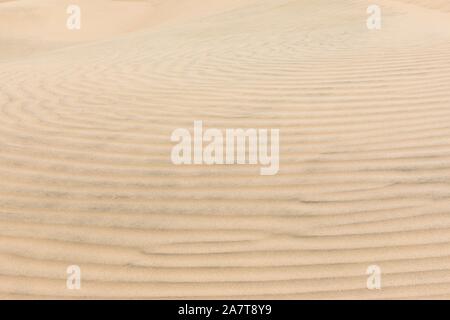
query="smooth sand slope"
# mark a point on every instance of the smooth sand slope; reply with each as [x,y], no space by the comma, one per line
[86,177]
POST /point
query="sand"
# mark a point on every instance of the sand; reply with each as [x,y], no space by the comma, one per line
[87,179]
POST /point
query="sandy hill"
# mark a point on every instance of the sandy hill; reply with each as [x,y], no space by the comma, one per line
[85,170]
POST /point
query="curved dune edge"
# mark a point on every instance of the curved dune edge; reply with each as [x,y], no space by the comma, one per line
[365,156]
[28,26]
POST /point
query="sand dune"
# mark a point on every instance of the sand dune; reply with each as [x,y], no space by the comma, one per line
[85,169]
[29,26]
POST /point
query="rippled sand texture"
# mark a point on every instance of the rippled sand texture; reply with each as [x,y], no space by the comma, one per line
[86,177]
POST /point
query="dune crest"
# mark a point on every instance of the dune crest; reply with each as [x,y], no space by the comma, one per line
[27,26]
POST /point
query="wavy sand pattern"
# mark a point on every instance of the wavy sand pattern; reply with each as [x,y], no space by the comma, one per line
[85,170]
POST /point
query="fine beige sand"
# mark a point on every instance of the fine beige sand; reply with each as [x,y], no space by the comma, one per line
[85,171]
